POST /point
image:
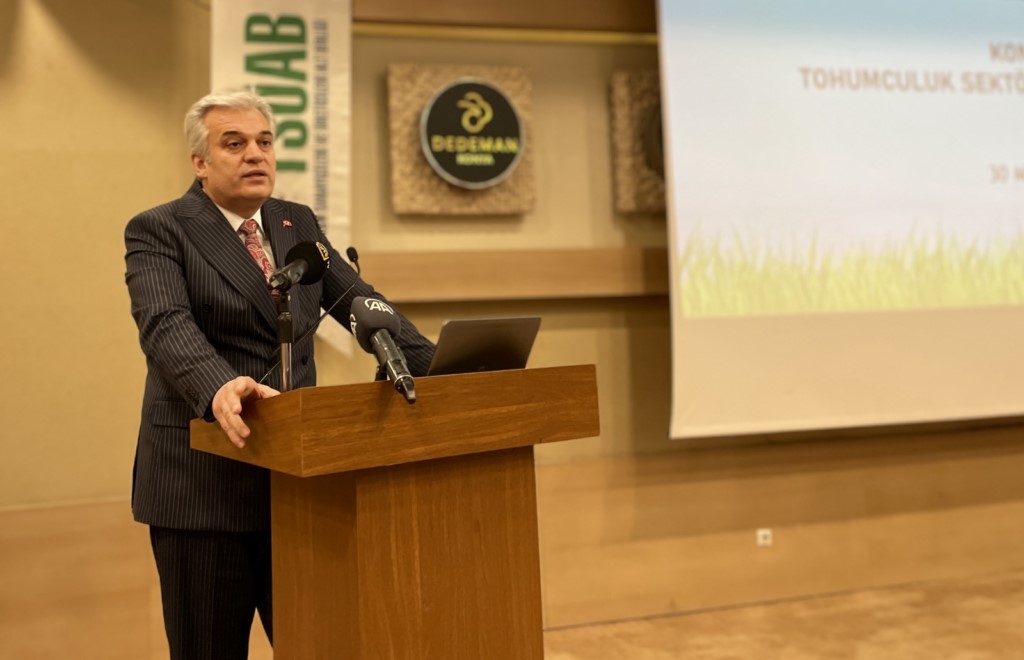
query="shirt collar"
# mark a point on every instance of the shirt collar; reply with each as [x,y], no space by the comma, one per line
[237,220]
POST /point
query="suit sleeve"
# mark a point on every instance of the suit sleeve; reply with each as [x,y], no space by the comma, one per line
[168,334]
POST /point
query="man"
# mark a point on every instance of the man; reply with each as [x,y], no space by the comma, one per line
[197,272]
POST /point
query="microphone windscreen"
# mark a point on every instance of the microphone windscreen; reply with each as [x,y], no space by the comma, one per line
[352,255]
[368,315]
[315,255]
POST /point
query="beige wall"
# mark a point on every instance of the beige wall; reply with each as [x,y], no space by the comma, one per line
[92,105]
[92,99]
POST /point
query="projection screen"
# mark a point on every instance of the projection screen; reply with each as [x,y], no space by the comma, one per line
[845,186]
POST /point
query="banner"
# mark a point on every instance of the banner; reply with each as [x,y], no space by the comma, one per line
[296,54]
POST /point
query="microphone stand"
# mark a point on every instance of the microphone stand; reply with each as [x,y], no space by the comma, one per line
[285,335]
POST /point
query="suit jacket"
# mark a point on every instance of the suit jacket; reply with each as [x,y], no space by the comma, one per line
[205,316]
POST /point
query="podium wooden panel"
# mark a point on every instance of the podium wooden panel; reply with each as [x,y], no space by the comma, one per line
[409,532]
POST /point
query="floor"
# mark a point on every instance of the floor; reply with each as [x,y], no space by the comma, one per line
[83,587]
[954,620]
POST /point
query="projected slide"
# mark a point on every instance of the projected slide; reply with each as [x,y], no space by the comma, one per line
[846,204]
[840,156]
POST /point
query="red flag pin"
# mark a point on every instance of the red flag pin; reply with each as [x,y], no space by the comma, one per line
[286,223]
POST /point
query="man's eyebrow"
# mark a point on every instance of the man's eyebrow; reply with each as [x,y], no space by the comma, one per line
[240,134]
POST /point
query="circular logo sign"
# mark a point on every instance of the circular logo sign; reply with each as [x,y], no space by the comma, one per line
[471,134]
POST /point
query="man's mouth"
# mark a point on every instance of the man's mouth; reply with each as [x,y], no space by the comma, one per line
[257,173]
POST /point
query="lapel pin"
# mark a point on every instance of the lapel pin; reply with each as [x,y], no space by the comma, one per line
[286,223]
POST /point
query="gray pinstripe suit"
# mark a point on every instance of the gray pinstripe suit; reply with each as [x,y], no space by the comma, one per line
[204,318]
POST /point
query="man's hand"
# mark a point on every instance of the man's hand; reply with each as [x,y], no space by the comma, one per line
[227,406]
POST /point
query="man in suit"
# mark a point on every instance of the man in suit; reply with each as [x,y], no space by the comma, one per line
[197,272]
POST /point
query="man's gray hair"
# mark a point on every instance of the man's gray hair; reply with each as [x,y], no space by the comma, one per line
[195,130]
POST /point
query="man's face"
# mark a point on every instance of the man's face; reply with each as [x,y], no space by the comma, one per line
[239,172]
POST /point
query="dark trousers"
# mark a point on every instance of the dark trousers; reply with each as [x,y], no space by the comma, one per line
[211,584]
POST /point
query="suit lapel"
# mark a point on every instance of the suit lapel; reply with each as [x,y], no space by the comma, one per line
[279,230]
[214,239]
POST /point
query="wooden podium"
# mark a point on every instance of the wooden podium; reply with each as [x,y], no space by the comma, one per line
[409,532]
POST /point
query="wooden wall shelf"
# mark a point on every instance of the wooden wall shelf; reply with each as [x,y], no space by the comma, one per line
[506,34]
[517,274]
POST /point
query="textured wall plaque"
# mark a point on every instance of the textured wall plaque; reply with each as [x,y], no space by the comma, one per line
[415,187]
[636,142]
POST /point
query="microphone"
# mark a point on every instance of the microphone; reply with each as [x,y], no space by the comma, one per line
[375,325]
[353,256]
[305,264]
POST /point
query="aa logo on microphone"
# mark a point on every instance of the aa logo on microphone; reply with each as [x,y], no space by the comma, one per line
[375,305]
[324,254]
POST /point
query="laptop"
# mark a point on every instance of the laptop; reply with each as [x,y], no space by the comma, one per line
[492,344]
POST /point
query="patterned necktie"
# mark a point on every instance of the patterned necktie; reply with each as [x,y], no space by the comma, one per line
[250,232]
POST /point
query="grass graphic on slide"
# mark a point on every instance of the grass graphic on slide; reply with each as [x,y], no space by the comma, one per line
[742,278]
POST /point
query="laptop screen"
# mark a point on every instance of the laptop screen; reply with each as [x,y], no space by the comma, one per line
[493,344]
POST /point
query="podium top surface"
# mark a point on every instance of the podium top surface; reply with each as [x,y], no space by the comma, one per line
[324,430]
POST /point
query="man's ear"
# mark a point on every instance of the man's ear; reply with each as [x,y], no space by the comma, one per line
[199,166]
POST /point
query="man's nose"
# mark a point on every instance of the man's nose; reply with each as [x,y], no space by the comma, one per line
[253,152]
